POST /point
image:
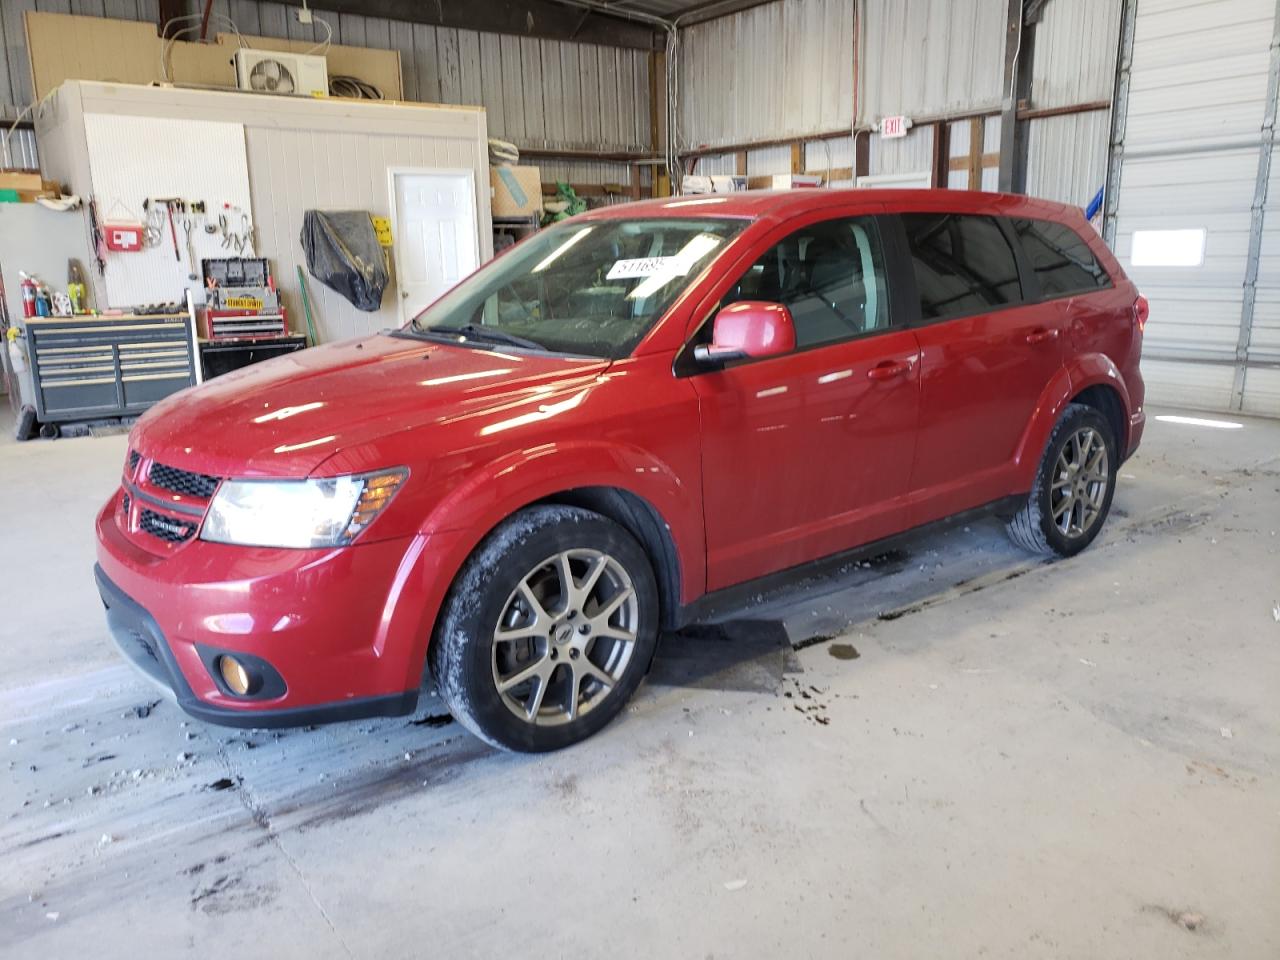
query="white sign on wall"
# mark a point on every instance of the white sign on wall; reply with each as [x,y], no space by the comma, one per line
[891,127]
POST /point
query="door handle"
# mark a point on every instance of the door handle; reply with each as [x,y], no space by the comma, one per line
[888,369]
[1042,335]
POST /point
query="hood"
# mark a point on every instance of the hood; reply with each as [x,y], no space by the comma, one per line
[285,416]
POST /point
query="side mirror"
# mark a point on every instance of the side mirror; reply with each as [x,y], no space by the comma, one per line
[749,328]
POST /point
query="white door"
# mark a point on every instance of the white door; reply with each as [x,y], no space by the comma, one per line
[434,231]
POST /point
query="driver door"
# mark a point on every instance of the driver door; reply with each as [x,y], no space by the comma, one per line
[810,453]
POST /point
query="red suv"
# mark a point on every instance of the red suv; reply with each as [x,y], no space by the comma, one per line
[590,438]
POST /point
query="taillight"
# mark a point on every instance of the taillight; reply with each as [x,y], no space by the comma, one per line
[1141,310]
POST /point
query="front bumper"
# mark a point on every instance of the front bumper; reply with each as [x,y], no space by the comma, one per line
[143,644]
[345,630]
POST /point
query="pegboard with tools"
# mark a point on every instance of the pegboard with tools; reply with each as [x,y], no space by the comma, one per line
[181,223]
[185,183]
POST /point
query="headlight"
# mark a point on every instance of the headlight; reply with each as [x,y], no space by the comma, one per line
[299,513]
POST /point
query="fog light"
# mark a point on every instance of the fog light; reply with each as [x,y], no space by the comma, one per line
[234,675]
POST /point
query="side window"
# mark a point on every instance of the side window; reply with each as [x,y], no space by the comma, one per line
[963,264]
[831,277]
[1061,258]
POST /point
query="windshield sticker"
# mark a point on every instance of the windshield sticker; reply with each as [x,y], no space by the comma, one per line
[647,267]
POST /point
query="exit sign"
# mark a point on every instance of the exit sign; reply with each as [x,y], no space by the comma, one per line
[891,127]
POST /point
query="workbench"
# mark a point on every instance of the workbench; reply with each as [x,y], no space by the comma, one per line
[87,367]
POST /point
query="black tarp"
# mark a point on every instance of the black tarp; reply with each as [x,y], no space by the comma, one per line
[343,253]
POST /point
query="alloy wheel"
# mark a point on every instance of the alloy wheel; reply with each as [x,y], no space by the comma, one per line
[565,637]
[1079,487]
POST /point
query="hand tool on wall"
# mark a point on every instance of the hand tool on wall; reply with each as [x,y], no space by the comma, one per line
[169,204]
[95,237]
[188,221]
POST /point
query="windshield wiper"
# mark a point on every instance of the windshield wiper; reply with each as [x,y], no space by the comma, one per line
[492,335]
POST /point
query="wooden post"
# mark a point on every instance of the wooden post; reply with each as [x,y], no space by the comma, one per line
[977,132]
[861,155]
[740,163]
[635,181]
[941,154]
[797,157]
[657,107]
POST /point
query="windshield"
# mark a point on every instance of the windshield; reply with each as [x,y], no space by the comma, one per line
[589,288]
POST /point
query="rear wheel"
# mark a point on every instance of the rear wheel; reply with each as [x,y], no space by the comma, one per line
[1073,487]
[548,630]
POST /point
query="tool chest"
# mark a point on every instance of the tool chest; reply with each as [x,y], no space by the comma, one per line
[90,366]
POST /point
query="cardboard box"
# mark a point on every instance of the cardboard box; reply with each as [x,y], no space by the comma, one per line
[20,180]
[517,191]
[785,181]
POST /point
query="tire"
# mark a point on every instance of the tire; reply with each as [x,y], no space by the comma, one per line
[526,665]
[1060,479]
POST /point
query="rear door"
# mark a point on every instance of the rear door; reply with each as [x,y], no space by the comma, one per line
[809,453]
[987,351]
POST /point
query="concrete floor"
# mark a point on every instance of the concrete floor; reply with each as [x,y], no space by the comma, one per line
[970,754]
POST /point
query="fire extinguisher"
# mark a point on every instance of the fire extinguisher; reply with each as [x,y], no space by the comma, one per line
[28,295]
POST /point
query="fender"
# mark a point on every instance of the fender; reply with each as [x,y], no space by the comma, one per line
[473,508]
[501,487]
[1080,373]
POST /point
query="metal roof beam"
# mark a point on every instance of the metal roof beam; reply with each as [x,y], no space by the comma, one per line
[524,18]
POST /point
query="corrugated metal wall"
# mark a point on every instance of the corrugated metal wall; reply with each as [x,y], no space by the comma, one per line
[544,93]
[1067,156]
[928,58]
[1190,160]
[1075,62]
[786,68]
[537,93]
[772,71]
[1075,56]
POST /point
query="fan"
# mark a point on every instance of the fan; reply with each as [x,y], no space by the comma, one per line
[271,76]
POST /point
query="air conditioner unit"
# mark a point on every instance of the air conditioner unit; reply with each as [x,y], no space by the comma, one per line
[288,74]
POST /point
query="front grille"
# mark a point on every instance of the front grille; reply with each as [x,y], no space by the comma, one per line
[182,481]
[134,457]
[166,528]
[125,501]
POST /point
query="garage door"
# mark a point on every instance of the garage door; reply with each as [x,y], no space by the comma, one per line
[1196,220]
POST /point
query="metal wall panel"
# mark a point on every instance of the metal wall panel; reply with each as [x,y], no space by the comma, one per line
[910,154]
[1190,159]
[20,150]
[538,93]
[776,70]
[786,68]
[1075,54]
[932,57]
[1067,156]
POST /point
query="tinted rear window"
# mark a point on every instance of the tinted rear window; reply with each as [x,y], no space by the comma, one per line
[1060,258]
[963,264]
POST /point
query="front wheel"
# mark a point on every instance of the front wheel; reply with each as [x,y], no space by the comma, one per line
[548,629]
[1073,487]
